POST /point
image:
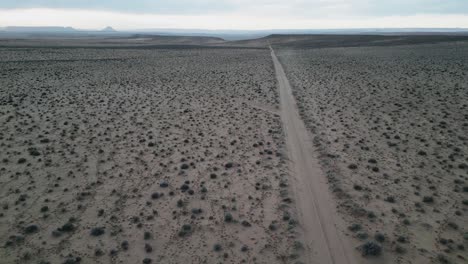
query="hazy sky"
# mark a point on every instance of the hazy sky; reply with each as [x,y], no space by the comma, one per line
[234,14]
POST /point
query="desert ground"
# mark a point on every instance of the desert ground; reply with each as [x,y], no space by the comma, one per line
[322,149]
[390,125]
[131,156]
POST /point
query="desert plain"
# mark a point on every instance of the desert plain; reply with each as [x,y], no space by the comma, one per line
[284,149]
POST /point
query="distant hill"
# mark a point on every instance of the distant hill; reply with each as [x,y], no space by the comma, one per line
[347,40]
[244,38]
[251,34]
[108,29]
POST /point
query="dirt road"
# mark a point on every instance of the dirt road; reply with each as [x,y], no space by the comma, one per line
[324,241]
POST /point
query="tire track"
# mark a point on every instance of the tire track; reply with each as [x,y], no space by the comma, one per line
[324,240]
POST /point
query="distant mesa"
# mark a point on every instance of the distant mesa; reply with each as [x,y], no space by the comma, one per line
[108,29]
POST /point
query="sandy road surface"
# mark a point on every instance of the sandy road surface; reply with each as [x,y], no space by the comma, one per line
[324,241]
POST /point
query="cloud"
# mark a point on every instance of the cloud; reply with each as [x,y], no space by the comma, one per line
[94,19]
[301,8]
[239,14]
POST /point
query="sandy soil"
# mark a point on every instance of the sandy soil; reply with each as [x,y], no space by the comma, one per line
[143,156]
[159,151]
[390,124]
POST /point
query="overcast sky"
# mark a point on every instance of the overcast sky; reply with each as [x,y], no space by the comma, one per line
[235,14]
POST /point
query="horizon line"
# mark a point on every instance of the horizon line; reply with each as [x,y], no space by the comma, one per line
[234,29]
